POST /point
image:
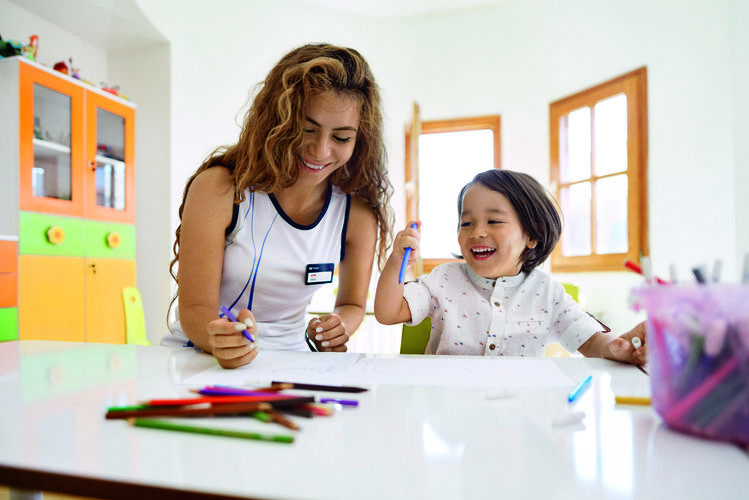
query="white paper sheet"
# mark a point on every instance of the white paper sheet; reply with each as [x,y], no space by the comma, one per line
[291,366]
[355,369]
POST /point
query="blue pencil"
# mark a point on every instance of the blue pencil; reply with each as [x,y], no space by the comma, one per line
[580,388]
[406,255]
[231,317]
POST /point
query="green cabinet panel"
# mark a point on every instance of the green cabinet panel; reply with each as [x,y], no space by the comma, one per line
[109,240]
[8,324]
[36,235]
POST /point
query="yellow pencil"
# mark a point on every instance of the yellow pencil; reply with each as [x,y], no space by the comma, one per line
[632,400]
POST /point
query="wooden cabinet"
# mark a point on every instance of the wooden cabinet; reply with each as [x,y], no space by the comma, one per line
[67,150]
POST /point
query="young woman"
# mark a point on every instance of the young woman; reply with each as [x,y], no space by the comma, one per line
[266,221]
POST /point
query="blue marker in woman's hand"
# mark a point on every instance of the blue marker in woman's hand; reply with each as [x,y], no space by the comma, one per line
[231,317]
[406,255]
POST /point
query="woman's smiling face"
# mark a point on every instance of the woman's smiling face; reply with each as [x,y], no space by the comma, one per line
[491,237]
[331,121]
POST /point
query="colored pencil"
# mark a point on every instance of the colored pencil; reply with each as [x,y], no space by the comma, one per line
[632,400]
[580,388]
[185,411]
[633,266]
[220,399]
[280,419]
[169,426]
[231,317]
[343,402]
[318,387]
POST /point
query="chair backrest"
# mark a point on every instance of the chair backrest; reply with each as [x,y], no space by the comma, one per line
[414,339]
[555,349]
[135,320]
[573,290]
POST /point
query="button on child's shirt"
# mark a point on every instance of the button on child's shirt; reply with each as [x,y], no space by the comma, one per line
[496,329]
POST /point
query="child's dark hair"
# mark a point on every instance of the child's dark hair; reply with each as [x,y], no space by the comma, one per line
[535,206]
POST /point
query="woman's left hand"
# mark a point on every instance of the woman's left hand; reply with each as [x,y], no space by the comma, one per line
[328,333]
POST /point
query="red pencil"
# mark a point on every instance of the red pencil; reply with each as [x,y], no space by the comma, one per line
[634,266]
[186,411]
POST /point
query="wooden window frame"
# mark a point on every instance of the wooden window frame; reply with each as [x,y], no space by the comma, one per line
[486,122]
[634,86]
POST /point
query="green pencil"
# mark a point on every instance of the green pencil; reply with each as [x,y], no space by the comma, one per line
[169,426]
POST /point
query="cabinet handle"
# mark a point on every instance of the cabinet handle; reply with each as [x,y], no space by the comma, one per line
[55,235]
[114,239]
[92,165]
[92,266]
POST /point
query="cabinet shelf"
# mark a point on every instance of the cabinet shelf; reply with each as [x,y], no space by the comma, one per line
[111,161]
[52,146]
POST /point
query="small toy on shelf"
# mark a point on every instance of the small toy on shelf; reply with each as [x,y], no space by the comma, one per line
[74,72]
[29,51]
[61,67]
[9,48]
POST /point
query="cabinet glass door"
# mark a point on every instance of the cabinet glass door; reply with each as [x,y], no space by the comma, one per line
[51,173]
[110,151]
[50,143]
[110,160]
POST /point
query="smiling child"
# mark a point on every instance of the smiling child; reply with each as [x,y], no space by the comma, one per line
[497,302]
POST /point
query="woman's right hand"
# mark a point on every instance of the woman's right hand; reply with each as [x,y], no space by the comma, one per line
[230,348]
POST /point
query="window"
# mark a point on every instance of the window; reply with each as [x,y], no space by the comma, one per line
[445,155]
[599,174]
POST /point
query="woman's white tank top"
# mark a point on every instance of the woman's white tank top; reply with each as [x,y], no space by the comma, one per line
[273,266]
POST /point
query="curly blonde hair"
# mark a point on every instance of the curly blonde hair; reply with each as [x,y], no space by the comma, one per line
[263,157]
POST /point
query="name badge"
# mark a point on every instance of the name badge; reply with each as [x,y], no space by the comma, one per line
[318,274]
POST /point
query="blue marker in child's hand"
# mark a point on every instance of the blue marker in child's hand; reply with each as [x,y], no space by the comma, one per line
[406,255]
[231,317]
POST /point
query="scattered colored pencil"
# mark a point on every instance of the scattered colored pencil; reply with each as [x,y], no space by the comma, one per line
[170,426]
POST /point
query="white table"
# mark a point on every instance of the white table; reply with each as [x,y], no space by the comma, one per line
[403,441]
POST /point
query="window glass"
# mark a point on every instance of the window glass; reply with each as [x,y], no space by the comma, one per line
[447,162]
[611,215]
[575,141]
[575,203]
[610,132]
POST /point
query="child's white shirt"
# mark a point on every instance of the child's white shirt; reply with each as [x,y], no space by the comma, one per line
[511,316]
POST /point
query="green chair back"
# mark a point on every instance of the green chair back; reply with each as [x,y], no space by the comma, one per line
[135,321]
[414,339]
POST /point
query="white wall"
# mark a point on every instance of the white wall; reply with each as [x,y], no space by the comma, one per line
[740,62]
[144,74]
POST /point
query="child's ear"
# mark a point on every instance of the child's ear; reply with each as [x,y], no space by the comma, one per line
[531,243]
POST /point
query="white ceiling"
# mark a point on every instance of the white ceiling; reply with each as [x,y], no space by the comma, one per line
[400,8]
[109,24]
[120,25]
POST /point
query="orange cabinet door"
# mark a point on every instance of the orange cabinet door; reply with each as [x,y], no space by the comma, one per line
[51,139]
[51,298]
[105,310]
[110,159]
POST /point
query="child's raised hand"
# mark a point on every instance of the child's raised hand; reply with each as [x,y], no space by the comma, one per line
[408,238]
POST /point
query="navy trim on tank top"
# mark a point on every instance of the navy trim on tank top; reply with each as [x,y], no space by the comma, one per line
[345,226]
[234,216]
[300,226]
